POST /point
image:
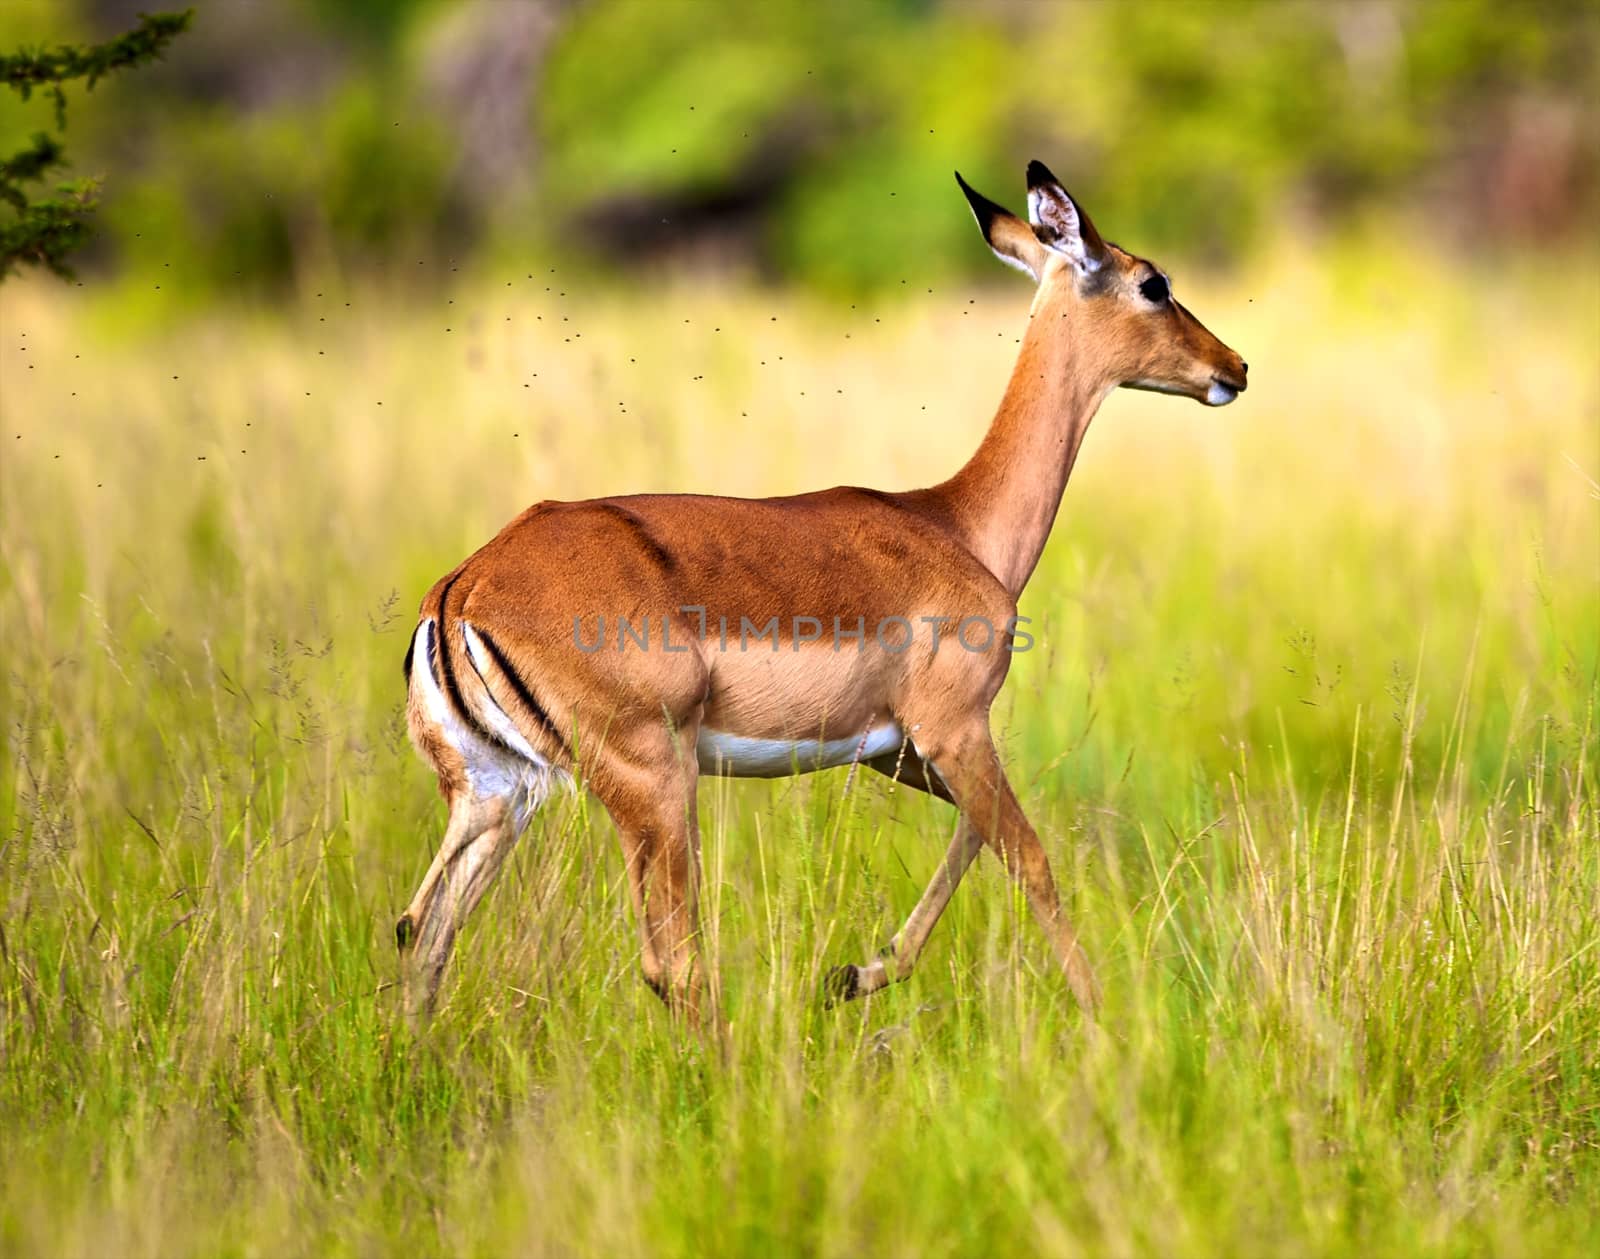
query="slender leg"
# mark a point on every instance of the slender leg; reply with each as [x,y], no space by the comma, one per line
[896,961]
[480,834]
[971,768]
[653,807]
[464,826]
[636,855]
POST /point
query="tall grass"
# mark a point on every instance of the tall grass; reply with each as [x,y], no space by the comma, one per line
[1310,734]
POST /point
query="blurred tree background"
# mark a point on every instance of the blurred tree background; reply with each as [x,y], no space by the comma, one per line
[811,142]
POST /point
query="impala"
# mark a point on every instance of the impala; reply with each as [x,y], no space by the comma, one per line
[653,638]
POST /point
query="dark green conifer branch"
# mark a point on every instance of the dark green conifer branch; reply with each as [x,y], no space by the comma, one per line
[43,232]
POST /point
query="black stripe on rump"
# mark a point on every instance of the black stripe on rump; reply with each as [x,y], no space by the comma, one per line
[451,687]
[431,647]
[520,687]
[646,539]
[411,647]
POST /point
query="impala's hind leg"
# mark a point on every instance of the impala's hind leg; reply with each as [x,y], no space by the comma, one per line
[662,851]
[482,831]
[652,803]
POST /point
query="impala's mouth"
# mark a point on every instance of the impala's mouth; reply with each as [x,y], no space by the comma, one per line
[1221,393]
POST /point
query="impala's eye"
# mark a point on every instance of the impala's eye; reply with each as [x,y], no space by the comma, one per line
[1155,289]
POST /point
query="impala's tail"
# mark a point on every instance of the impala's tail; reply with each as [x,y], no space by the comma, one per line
[473,712]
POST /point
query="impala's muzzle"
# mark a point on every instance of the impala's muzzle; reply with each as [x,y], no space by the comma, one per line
[1227,385]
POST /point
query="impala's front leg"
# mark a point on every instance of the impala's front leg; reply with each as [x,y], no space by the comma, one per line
[970,766]
[899,957]
[985,796]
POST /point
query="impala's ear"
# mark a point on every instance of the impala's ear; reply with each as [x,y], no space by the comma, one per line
[1012,240]
[1060,223]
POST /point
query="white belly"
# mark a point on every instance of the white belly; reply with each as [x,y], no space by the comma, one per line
[735,756]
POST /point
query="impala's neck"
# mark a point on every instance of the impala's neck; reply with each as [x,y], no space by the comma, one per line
[1005,499]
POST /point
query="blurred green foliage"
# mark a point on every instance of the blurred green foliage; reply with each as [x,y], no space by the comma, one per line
[813,142]
[252,201]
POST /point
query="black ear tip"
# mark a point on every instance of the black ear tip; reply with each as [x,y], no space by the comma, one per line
[984,210]
[1039,173]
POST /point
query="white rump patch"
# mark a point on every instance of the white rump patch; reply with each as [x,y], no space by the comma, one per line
[735,756]
[515,772]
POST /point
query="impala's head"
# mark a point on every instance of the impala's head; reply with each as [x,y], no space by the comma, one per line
[1118,309]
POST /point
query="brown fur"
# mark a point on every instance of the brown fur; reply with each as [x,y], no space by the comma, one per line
[628,720]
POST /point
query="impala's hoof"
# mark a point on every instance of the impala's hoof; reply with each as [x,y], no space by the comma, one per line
[658,985]
[404,931]
[841,984]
